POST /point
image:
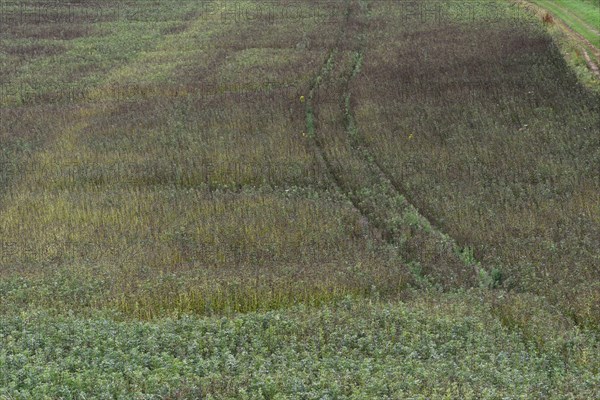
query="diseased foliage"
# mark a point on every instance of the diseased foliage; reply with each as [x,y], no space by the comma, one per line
[421,177]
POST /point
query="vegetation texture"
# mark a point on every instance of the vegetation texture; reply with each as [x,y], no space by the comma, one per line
[300,199]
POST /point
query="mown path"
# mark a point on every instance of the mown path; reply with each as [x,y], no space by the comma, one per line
[584,43]
[576,17]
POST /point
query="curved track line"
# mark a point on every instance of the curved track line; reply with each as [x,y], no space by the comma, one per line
[379,177]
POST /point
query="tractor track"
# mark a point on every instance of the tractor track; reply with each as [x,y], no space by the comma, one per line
[380,179]
[317,142]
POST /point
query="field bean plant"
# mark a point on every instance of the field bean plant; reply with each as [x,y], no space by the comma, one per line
[299,199]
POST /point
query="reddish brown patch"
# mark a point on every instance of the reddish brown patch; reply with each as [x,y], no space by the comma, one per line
[548,19]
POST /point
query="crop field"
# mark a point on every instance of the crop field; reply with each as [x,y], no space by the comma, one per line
[296,199]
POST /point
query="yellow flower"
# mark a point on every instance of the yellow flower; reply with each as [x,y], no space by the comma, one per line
[410,136]
[301,99]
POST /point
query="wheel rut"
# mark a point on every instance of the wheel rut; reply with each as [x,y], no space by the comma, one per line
[434,257]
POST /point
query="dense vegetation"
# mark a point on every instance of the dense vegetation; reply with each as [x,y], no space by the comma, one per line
[307,199]
[429,349]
